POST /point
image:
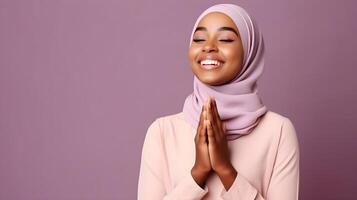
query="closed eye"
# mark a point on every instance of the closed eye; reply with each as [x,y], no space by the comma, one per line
[228,40]
[198,40]
[201,40]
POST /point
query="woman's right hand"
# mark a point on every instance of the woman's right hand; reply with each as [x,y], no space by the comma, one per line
[202,166]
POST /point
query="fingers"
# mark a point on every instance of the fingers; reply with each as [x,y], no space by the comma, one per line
[210,132]
[203,135]
[201,129]
[199,126]
[200,122]
[224,127]
[210,116]
[214,118]
[214,108]
[215,115]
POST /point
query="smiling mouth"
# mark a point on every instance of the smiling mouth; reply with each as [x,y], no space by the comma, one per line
[208,64]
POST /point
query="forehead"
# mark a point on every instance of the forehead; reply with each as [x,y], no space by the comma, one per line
[217,19]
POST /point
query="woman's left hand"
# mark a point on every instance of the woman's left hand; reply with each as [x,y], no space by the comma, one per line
[217,143]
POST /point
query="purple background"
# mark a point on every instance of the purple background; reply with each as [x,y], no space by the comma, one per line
[81,81]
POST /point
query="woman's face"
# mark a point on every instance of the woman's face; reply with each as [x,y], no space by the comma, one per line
[216,53]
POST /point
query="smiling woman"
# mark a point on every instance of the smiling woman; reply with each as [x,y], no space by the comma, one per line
[225,144]
[216,52]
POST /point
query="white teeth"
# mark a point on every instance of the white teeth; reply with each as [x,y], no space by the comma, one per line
[210,62]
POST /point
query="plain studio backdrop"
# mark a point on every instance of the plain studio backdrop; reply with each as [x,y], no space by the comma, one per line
[81,81]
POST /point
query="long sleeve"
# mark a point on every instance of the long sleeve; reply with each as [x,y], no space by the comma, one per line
[284,183]
[154,180]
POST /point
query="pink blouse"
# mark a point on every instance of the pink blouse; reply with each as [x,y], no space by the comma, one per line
[266,160]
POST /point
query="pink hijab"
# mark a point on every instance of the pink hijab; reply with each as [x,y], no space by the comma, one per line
[238,103]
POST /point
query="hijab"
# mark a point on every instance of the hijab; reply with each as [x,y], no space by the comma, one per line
[238,104]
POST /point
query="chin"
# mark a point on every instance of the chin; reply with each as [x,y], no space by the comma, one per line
[213,77]
[209,80]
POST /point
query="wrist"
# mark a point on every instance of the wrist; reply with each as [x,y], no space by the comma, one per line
[227,177]
[227,172]
[200,176]
[200,170]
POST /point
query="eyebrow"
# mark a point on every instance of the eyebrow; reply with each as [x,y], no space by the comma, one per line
[224,28]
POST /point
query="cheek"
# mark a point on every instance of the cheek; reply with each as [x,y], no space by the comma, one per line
[192,54]
[233,55]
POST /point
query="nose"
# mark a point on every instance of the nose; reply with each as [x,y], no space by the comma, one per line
[209,47]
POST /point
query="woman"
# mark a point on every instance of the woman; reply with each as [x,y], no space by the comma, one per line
[225,144]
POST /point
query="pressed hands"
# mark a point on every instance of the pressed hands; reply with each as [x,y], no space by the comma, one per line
[212,153]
